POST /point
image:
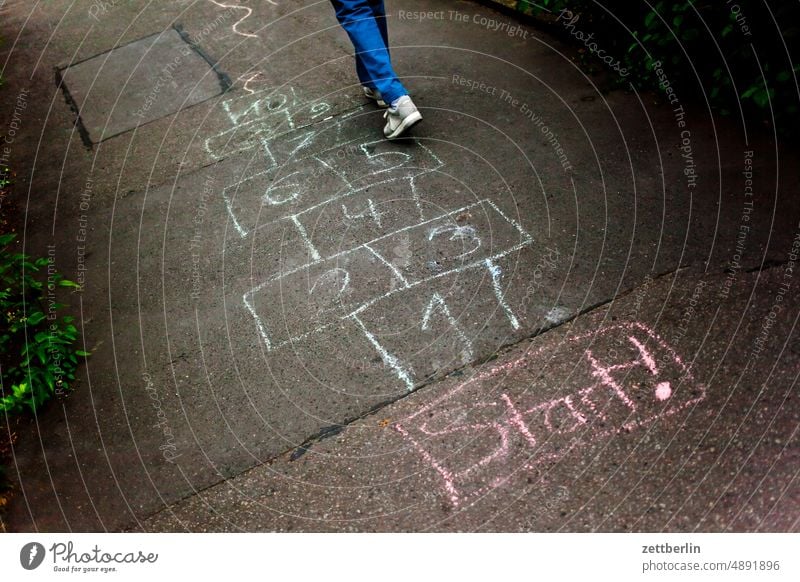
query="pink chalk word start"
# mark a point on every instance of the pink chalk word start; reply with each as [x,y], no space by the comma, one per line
[476,444]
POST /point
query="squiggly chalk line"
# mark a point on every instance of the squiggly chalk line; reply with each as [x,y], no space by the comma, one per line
[243,18]
[250,79]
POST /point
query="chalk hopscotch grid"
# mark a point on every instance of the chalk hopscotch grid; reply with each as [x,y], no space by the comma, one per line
[265,120]
[270,110]
[277,107]
[347,190]
[487,262]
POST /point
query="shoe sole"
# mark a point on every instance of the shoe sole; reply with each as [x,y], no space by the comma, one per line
[379,102]
[406,124]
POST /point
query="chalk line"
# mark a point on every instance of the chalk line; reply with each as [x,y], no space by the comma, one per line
[306,239]
[243,18]
[387,358]
[452,477]
[458,233]
[371,210]
[646,357]
[325,274]
[371,302]
[496,273]
[259,324]
[246,84]
[437,302]
[394,269]
[416,197]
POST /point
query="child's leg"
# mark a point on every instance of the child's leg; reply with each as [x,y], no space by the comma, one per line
[379,12]
[368,36]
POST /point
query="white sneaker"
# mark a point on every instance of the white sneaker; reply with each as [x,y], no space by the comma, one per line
[401,117]
[375,95]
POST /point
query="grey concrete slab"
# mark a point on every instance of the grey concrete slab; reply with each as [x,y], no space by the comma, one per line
[221,341]
[139,82]
[226,287]
[650,414]
[399,262]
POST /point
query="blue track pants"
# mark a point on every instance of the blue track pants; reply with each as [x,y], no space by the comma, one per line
[365,23]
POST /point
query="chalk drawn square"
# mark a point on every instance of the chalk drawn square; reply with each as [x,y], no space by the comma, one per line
[140,82]
[477,444]
[258,117]
[316,296]
[353,226]
[464,238]
[268,196]
[330,288]
[292,177]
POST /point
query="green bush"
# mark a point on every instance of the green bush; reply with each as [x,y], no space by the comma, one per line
[738,55]
[37,358]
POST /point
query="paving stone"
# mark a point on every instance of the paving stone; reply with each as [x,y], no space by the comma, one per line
[140,82]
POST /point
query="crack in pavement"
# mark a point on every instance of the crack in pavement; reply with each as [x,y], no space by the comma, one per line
[296,452]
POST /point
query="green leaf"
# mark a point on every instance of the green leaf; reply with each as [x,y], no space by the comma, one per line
[36,318]
[750,91]
[20,390]
[762,98]
[82,353]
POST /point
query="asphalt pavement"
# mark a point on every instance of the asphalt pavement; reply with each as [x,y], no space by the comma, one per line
[554,306]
